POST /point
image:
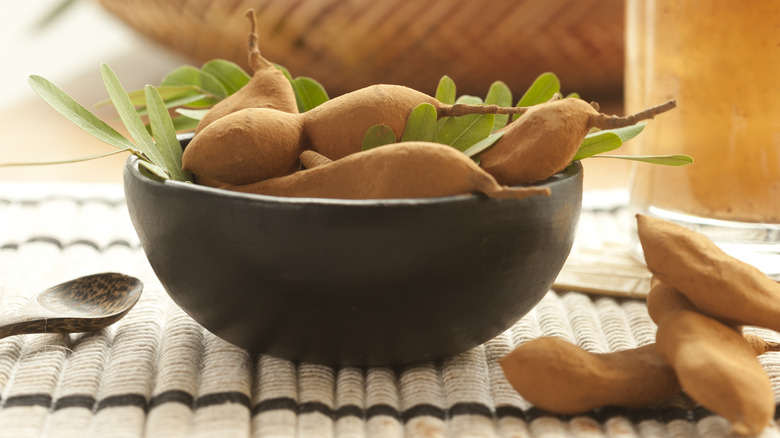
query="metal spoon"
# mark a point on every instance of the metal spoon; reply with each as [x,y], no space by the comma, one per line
[80,305]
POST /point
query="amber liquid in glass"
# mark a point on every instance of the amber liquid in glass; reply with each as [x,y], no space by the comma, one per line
[720,59]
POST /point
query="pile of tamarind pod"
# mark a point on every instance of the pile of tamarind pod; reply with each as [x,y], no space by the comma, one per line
[257,135]
[700,298]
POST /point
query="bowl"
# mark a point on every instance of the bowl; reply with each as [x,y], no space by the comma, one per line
[353,282]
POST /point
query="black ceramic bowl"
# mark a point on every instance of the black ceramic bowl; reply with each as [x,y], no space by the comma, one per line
[353,282]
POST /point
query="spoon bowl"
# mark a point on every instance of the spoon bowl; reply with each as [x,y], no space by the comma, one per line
[84,304]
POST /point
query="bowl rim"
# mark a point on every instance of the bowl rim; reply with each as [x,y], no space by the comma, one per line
[133,169]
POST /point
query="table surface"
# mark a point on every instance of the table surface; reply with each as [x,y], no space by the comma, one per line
[158,373]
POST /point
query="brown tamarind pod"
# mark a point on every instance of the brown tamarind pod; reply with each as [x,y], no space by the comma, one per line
[248,145]
[716,283]
[403,170]
[544,140]
[561,377]
[264,143]
[718,368]
[663,300]
[337,127]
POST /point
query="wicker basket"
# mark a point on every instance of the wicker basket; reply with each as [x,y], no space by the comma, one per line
[347,44]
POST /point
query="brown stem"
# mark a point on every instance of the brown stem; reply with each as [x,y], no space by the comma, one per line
[603,121]
[462,109]
[256,60]
[760,345]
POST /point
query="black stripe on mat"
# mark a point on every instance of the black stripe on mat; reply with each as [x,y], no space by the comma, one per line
[288,404]
[28,400]
[63,245]
[222,398]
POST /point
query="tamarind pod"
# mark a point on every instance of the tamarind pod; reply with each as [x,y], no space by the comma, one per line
[718,368]
[310,159]
[337,127]
[248,145]
[268,87]
[561,377]
[663,300]
[716,283]
[539,144]
[544,140]
[403,170]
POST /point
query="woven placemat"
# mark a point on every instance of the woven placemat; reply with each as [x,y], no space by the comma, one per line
[606,258]
[157,373]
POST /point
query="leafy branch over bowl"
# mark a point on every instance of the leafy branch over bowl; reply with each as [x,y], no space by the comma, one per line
[193,93]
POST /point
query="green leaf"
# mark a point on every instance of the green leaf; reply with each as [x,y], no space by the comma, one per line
[78,115]
[228,73]
[308,93]
[596,144]
[164,135]
[191,101]
[198,100]
[626,133]
[665,160]
[152,170]
[482,145]
[446,90]
[378,135]
[421,124]
[129,116]
[168,93]
[188,75]
[465,131]
[193,114]
[469,100]
[541,90]
[284,70]
[499,94]
[72,160]
[184,124]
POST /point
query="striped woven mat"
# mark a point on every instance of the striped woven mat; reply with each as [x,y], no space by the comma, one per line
[157,373]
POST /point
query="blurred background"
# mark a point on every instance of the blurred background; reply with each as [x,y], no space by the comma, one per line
[344,44]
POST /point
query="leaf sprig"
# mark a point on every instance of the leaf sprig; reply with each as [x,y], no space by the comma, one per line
[473,134]
[187,90]
[159,150]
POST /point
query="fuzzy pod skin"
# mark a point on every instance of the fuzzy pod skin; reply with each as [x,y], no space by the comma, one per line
[563,378]
[246,146]
[716,283]
[397,171]
[663,300]
[336,128]
[539,144]
[268,88]
[717,368]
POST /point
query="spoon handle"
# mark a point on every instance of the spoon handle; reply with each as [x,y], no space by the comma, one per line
[20,325]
